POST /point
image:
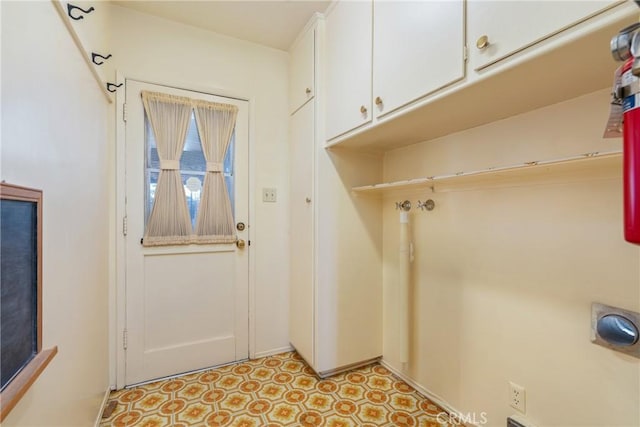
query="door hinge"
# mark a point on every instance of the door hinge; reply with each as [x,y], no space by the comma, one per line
[124,225]
[125,339]
[124,112]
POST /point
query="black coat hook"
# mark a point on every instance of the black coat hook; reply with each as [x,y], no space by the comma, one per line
[71,7]
[111,87]
[97,55]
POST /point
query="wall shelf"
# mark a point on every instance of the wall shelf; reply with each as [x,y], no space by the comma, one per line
[589,166]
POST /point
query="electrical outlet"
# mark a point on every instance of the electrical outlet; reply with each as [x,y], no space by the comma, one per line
[269,195]
[517,397]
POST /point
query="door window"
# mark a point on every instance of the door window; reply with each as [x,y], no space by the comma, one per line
[192,169]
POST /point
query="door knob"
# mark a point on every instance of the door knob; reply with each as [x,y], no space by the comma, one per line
[241,244]
[482,42]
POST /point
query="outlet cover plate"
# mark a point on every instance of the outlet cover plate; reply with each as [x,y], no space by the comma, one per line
[269,195]
[517,397]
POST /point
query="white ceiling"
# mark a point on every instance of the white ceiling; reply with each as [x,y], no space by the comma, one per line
[267,22]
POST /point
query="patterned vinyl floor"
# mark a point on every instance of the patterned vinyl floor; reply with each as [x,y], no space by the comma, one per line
[280,390]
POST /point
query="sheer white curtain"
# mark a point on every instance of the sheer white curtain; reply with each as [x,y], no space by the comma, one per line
[216,122]
[169,222]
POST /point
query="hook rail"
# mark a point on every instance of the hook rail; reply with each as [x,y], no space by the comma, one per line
[111,87]
[72,7]
[95,56]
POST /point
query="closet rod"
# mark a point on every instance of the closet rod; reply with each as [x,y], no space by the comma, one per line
[449,179]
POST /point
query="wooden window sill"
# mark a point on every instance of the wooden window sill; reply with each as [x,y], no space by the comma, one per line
[25,378]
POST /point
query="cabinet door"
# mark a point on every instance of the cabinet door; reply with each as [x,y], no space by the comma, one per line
[418,48]
[511,26]
[348,66]
[302,71]
[301,296]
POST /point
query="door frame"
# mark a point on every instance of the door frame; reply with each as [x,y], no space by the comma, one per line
[117,283]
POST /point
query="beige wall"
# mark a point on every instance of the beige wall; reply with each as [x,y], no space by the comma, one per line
[54,137]
[160,51]
[504,277]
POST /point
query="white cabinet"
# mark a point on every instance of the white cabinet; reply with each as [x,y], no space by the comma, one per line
[420,80]
[301,295]
[302,71]
[418,48]
[335,309]
[498,29]
[348,66]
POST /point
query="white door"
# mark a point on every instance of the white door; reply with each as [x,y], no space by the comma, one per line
[186,306]
[301,296]
[302,71]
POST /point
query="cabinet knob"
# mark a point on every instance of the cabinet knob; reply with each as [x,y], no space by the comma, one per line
[378,101]
[307,91]
[308,199]
[363,109]
[482,42]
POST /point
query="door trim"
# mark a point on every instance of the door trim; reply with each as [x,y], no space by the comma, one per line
[117,244]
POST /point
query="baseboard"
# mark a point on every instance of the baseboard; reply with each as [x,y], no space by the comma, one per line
[459,415]
[345,368]
[105,399]
[261,354]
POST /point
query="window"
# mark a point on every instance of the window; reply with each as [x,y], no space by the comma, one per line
[23,357]
[190,202]
[192,169]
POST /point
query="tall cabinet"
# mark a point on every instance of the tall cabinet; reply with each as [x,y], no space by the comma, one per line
[336,286]
[301,310]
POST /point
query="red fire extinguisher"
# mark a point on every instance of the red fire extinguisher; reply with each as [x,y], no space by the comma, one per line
[625,47]
[631,152]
